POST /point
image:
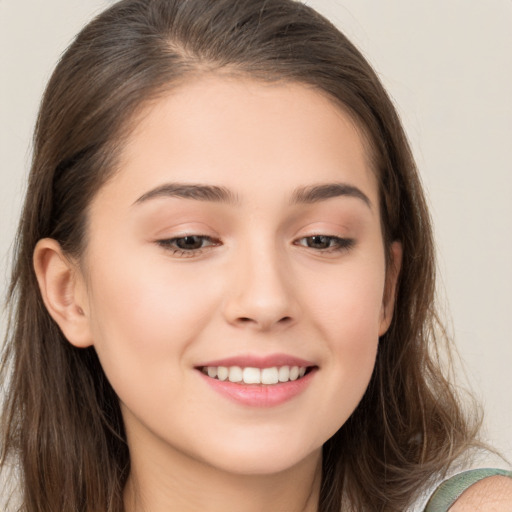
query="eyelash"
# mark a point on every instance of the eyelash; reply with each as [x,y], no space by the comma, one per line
[335,244]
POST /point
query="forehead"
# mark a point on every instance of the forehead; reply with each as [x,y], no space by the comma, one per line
[246,135]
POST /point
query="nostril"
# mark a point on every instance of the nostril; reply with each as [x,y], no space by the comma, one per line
[248,320]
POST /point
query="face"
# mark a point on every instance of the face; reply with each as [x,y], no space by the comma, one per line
[234,280]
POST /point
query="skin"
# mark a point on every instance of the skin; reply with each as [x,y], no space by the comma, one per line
[493,494]
[256,287]
[256,284]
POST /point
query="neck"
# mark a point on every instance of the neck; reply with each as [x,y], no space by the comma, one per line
[159,482]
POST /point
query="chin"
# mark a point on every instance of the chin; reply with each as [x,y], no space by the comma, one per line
[265,458]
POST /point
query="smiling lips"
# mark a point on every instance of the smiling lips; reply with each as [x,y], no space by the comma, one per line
[259,382]
[251,375]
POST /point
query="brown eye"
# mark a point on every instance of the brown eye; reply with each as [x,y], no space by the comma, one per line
[319,242]
[192,244]
[189,243]
[326,243]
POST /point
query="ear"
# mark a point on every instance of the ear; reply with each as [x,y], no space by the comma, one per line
[63,291]
[392,273]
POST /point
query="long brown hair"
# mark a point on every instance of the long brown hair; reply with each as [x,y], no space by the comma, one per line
[61,419]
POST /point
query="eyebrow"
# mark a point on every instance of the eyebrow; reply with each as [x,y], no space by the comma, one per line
[323,191]
[190,191]
[302,195]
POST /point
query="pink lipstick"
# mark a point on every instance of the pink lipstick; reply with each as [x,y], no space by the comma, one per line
[258,381]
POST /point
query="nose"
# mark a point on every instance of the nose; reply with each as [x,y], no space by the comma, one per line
[261,294]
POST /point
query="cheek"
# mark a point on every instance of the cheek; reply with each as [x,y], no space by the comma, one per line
[141,295]
[348,312]
[358,322]
[347,303]
[143,321]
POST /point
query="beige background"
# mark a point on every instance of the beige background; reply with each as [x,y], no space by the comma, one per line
[448,66]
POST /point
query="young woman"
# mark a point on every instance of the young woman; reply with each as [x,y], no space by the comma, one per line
[224,279]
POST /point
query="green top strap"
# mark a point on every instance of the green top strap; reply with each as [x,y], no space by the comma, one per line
[450,490]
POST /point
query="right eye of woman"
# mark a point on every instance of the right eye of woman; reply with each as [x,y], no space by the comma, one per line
[188,245]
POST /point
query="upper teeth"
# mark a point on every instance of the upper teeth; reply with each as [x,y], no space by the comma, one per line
[251,375]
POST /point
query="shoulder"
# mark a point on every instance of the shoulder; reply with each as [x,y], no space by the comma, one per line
[482,489]
[492,494]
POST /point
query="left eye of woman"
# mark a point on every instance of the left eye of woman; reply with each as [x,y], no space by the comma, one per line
[325,242]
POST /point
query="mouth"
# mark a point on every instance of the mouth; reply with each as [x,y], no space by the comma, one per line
[259,381]
[256,376]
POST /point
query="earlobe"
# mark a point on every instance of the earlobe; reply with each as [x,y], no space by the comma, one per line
[62,291]
[392,274]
